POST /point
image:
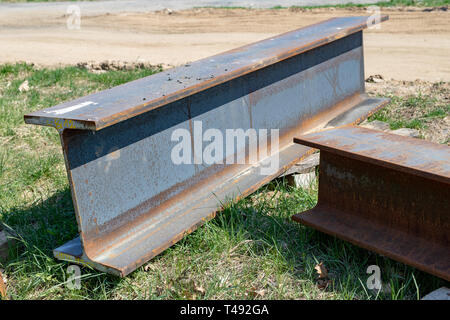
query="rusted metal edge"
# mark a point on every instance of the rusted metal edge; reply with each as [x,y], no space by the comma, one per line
[3,289]
[427,159]
[108,107]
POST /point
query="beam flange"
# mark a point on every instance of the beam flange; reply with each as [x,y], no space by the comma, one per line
[384,192]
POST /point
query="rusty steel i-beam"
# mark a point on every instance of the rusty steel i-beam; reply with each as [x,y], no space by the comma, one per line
[384,192]
[132,201]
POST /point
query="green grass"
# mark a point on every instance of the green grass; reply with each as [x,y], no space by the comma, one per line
[251,250]
[413,111]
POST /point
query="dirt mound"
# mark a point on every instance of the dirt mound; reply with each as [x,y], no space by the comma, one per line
[99,67]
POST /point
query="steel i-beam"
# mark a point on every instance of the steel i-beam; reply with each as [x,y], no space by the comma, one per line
[384,192]
[132,201]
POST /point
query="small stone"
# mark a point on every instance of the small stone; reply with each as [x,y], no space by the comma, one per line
[376,125]
[377,78]
[406,132]
[439,294]
[24,87]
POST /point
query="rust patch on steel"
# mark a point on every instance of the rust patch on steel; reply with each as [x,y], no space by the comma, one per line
[271,56]
[386,193]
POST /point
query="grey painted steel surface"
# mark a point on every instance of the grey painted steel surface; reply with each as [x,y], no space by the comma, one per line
[132,201]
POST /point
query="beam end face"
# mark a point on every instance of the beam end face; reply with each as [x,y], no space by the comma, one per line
[386,193]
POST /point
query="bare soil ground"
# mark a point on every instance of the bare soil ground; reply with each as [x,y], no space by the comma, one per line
[413,44]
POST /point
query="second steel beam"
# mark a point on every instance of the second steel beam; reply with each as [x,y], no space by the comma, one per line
[386,193]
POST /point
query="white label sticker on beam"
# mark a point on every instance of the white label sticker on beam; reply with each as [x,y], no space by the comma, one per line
[72,108]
